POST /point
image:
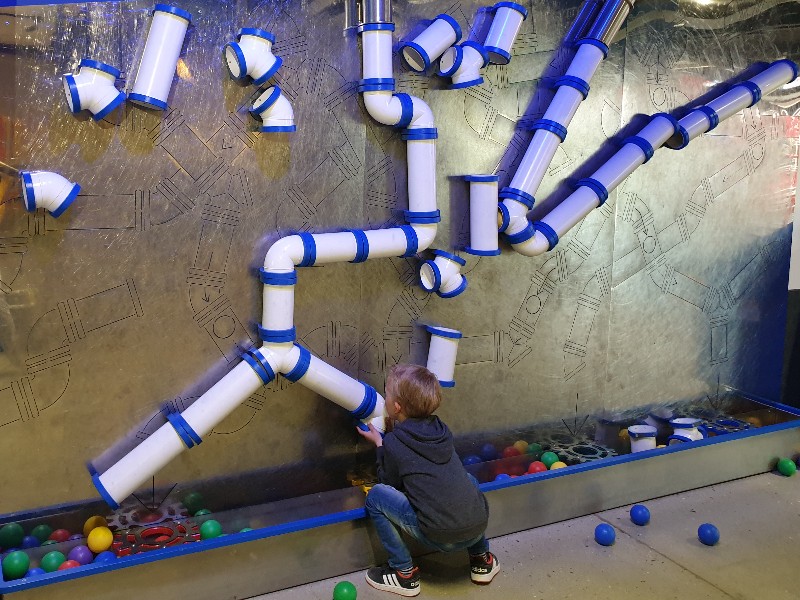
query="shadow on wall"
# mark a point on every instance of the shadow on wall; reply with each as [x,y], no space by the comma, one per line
[791,354]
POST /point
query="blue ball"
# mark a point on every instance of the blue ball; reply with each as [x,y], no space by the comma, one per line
[708,534]
[471,460]
[502,476]
[640,515]
[488,452]
[105,556]
[604,534]
[35,572]
[30,542]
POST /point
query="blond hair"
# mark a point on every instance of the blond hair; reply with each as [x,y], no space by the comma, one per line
[415,388]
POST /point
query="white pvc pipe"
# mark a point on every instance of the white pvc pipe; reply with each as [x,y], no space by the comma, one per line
[278,307]
[442,353]
[92,88]
[284,254]
[50,191]
[334,385]
[463,64]
[251,54]
[483,215]
[160,57]
[508,17]
[421,159]
[425,235]
[443,274]
[585,62]
[335,247]
[274,110]
[429,45]
[533,166]
[376,54]
[386,243]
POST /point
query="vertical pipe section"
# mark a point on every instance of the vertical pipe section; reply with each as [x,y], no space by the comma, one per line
[482,215]
[442,353]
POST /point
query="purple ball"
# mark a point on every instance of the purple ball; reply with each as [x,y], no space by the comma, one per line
[81,554]
[30,542]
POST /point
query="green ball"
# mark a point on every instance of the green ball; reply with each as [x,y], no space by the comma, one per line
[210,529]
[52,560]
[787,467]
[48,542]
[534,450]
[548,458]
[246,529]
[202,512]
[15,565]
[344,590]
[42,532]
[11,535]
[193,501]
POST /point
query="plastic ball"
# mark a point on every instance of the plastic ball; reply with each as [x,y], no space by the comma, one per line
[68,564]
[548,458]
[99,539]
[52,560]
[60,535]
[534,450]
[49,542]
[35,572]
[76,536]
[640,514]
[15,565]
[558,465]
[471,460]
[92,522]
[501,476]
[245,529]
[11,535]
[30,541]
[81,554]
[521,445]
[105,556]
[202,512]
[488,452]
[537,466]
[42,532]
[708,534]
[344,590]
[787,467]
[210,529]
[604,534]
[510,451]
[193,501]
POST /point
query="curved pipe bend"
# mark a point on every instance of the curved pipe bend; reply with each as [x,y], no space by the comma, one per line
[534,246]
[51,191]
[274,110]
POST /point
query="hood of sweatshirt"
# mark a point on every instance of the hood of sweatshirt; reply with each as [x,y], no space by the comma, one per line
[428,437]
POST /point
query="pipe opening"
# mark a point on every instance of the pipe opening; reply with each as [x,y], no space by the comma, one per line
[427,276]
[414,58]
[233,61]
[448,60]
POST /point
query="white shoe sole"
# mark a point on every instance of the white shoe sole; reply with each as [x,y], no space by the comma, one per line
[392,588]
[486,577]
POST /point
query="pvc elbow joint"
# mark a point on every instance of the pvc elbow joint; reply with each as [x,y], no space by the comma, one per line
[274,110]
[251,54]
[51,191]
[92,88]
[429,45]
[443,275]
[284,254]
[463,64]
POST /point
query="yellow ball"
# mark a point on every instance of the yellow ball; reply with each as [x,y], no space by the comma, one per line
[93,522]
[99,539]
[558,465]
[521,445]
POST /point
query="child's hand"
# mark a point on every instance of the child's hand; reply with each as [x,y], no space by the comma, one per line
[372,434]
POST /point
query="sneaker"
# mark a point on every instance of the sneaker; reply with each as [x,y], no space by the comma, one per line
[392,580]
[483,568]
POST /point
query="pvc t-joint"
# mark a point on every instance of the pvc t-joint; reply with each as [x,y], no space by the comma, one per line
[463,64]
[251,55]
[92,88]
[429,45]
[443,275]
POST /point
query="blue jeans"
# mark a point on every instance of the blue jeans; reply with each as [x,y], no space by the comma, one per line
[389,510]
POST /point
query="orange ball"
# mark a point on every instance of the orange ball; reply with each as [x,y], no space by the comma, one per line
[99,539]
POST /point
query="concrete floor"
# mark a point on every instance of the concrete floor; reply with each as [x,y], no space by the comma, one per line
[756,558]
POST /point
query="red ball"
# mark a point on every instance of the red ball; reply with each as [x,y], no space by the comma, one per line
[69,564]
[537,466]
[511,451]
[60,535]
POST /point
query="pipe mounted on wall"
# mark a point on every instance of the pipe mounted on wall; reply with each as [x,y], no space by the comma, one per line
[251,55]
[429,45]
[50,191]
[92,88]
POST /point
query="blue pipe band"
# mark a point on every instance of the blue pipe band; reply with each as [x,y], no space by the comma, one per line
[179,12]
[449,256]
[376,84]
[176,425]
[509,193]
[30,194]
[674,122]
[456,63]
[754,90]
[504,53]
[574,82]
[433,216]
[422,54]
[412,241]
[98,116]
[270,37]
[594,42]
[148,101]
[681,131]
[548,232]
[375,27]
[521,236]
[446,333]
[100,66]
[271,99]
[73,94]
[641,434]
[407,110]
[368,404]
[277,336]
[437,276]
[189,436]
[271,278]
[260,366]
[597,187]
[103,492]
[420,133]
[453,23]
[277,128]
[475,252]
[453,293]
[301,367]
[362,245]
[514,6]
[643,144]
[481,177]
[309,250]
[90,468]
[270,72]
[505,217]
[241,61]
[466,84]
[67,201]
[713,117]
[480,48]
[791,63]
[551,126]
[447,384]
